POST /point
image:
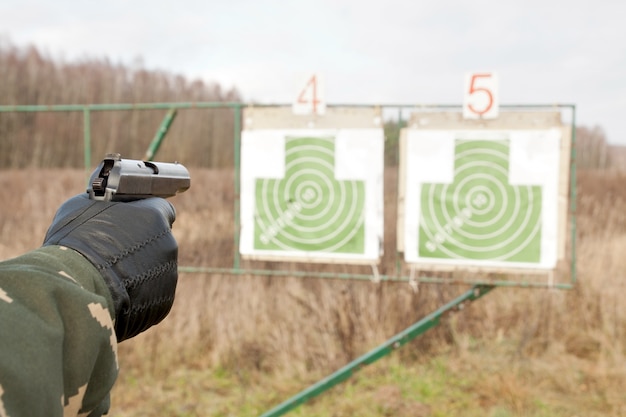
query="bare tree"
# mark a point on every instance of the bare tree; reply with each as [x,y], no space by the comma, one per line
[591,148]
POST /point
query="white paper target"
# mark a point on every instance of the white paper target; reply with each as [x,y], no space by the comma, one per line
[482,198]
[312,194]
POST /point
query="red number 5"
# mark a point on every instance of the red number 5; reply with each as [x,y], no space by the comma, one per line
[477,89]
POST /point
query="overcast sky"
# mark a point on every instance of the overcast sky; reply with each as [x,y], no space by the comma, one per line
[369,51]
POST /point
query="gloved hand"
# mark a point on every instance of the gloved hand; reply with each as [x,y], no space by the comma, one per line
[132,246]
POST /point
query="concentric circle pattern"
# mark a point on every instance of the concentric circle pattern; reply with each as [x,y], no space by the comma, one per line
[480,216]
[309,210]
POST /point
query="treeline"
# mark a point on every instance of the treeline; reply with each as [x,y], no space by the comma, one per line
[197,137]
[200,137]
[594,152]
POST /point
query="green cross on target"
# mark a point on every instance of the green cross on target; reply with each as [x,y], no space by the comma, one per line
[480,216]
[309,210]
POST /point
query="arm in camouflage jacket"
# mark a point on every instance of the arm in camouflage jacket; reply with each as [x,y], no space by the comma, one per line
[106,272]
[58,349]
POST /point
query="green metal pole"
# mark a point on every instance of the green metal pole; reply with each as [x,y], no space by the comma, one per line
[573,195]
[160,134]
[237,156]
[368,277]
[119,106]
[397,147]
[386,348]
[87,140]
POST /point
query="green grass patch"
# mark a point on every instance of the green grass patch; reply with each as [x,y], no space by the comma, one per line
[481,382]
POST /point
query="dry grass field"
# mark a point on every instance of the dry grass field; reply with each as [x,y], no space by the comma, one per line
[239,344]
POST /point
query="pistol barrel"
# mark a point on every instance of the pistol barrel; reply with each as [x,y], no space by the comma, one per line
[117,179]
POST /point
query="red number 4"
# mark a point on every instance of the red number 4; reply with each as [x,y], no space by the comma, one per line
[309,94]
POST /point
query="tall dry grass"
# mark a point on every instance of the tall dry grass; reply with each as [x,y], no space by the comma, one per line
[304,324]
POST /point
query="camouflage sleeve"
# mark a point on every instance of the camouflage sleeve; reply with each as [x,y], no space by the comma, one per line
[58,351]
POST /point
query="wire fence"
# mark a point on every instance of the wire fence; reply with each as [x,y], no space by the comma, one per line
[209,134]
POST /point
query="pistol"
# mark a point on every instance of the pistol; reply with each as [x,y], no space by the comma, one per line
[117,179]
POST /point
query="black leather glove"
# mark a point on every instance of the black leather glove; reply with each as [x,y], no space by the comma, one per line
[132,246]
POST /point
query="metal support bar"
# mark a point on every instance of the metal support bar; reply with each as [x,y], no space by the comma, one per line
[160,134]
[386,348]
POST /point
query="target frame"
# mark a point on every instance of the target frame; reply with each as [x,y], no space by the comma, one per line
[312,195]
[437,229]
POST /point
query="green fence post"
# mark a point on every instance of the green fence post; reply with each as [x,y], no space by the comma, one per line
[573,196]
[87,139]
[237,156]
